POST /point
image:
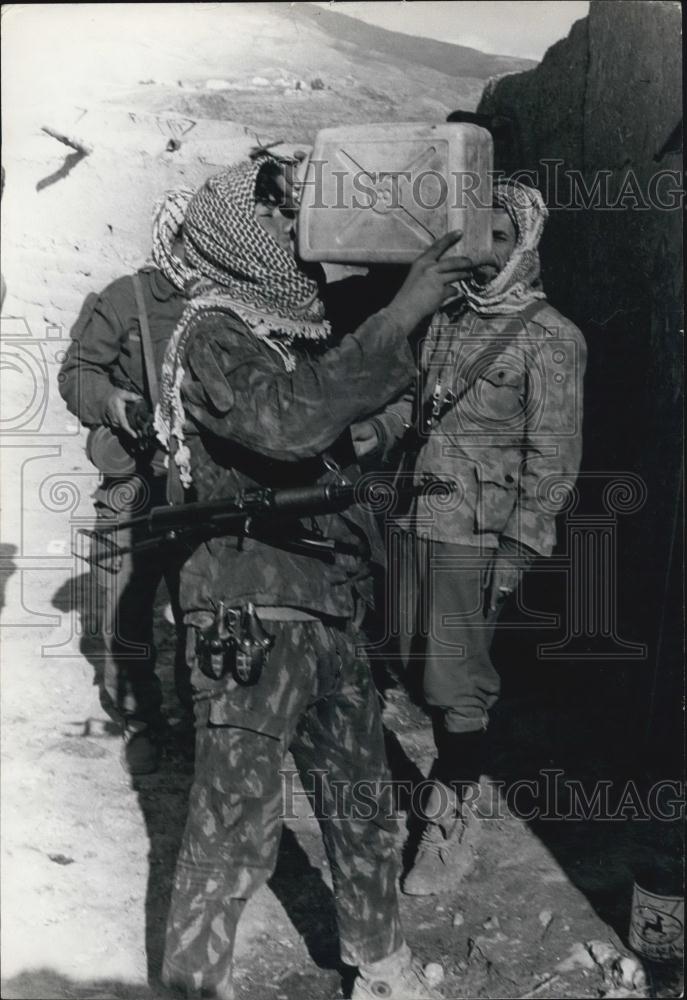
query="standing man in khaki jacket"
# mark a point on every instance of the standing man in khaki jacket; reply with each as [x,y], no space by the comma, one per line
[498,411]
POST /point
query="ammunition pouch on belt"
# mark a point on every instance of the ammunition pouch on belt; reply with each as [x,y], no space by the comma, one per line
[236,643]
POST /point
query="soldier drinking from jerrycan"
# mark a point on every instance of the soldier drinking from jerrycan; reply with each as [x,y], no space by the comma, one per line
[498,412]
[253,397]
[109,381]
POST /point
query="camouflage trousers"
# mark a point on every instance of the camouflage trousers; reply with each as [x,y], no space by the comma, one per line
[316,698]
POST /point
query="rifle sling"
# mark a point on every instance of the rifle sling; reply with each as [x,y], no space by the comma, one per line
[305,545]
[149,370]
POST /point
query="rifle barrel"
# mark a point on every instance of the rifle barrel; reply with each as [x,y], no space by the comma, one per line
[299,501]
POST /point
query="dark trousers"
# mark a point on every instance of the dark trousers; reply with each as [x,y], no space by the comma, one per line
[130,689]
[445,629]
[316,698]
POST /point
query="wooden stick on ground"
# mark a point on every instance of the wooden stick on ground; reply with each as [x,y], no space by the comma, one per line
[73,143]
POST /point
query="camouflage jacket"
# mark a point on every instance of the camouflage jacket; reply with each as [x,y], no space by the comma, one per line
[252,423]
[498,409]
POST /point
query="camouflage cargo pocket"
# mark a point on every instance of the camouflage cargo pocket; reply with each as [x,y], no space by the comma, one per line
[270,707]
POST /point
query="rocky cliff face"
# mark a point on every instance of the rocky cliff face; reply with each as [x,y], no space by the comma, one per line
[604,103]
[598,124]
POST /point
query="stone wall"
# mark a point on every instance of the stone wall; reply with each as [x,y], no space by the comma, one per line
[606,103]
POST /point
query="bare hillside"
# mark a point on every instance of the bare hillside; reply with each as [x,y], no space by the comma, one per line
[453,60]
[291,69]
[166,94]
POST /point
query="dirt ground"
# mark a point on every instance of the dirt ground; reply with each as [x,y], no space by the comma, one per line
[88,854]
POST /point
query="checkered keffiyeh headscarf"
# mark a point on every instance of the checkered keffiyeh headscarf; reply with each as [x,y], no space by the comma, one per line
[517,285]
[168,219]
[227,245]
[238,269]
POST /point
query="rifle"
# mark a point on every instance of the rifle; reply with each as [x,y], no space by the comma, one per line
[252,513]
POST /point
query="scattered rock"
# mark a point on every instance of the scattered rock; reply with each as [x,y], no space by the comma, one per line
[485,950]
[545,918]
[458,919]
[623,975]
[434,973]
[578,957]
[602,952]
[491,924]
[627,971]
[61,859]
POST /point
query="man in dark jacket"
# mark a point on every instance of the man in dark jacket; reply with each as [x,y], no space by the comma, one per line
[106,383]
[252,395]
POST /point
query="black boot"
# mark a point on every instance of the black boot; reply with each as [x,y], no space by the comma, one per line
[142,749]
[461,759]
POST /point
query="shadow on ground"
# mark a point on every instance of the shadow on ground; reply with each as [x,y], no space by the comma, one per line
[43,984]
[574,756]
[163,797]
[558,727]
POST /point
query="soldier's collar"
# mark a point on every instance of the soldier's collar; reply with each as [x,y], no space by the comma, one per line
[160,286]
